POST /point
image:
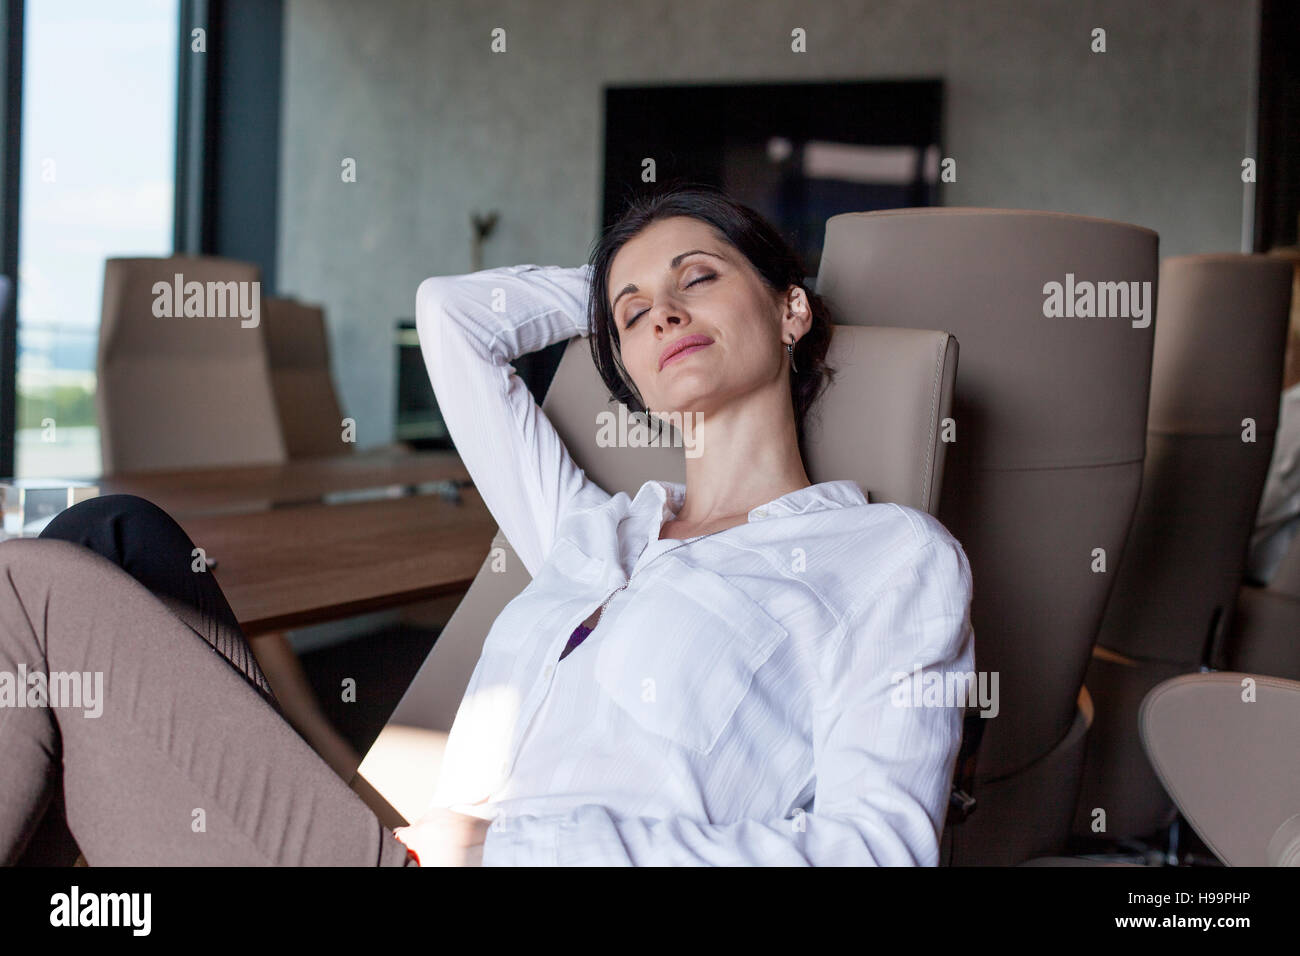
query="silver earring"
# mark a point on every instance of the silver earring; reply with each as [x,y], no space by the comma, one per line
[790,351]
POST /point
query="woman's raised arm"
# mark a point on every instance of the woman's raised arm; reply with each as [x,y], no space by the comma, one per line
[471,328]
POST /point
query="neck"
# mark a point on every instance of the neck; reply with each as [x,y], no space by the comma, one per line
[744,461]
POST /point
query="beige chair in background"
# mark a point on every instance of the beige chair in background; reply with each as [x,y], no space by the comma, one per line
[181,392]
[310,416]
[878,425]
[1220,336]
[1226,746]
[1050,429]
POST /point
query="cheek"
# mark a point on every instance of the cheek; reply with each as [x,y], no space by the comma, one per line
[756,355]
[639,370]
[634,360]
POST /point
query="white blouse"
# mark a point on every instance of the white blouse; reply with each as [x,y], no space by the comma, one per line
[748,699]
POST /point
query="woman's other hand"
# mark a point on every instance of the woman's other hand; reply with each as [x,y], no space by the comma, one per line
[445,838]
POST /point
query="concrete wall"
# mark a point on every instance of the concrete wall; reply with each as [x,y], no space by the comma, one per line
[1151,132]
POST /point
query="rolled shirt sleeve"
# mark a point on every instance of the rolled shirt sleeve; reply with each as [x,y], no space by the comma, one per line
[471,327]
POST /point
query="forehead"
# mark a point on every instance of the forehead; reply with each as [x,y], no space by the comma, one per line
[647,254]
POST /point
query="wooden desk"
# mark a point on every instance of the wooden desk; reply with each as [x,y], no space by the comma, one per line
[283,561]
[305,481]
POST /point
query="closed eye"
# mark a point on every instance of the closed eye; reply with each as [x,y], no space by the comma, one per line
[704,278]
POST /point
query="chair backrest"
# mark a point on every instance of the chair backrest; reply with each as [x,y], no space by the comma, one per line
[177,390]
[1224,746]
[298,347]
[1221,333]
[1050,428]
[878,424]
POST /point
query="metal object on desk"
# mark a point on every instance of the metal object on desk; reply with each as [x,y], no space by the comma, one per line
[267,488]
[447,489]
[29,504]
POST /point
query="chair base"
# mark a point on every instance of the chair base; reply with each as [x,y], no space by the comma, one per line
[1117,776]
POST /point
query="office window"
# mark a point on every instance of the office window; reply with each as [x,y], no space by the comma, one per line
[97,180]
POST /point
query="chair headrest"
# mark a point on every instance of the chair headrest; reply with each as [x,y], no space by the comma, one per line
[879,423]
[1218,350]
[134,288]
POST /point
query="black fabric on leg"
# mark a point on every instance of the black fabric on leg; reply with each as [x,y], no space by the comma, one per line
[147,543]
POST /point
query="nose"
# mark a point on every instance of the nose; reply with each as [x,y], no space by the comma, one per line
[669,318]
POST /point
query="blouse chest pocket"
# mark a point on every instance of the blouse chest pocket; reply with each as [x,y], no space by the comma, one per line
[680,652]
[562,584]
[573,563]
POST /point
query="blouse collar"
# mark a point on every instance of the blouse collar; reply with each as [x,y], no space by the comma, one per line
[667,497]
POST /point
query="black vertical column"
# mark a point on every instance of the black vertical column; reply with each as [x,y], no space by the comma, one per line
[228,132]
[194,153]
[1277,191]
[11,114]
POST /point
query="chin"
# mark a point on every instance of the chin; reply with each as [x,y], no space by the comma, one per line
[682,406]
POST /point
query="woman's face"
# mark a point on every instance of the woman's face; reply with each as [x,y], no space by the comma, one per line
[675,281]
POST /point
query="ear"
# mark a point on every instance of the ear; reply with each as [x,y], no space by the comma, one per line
[797,318]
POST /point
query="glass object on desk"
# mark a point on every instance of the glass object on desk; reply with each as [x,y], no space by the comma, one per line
[447,489]
[29,504]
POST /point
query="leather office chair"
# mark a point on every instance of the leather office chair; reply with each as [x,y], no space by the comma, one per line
[1231,763]
[311,417]
[878,424]
[298,350]
[1220,335]
[1050,416]
[181,392]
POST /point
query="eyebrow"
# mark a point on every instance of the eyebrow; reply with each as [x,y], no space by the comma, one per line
[676,261]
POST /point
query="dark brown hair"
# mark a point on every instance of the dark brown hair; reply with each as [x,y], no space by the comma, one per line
[758,241]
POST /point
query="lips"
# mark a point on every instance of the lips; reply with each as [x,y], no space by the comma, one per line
[686,343]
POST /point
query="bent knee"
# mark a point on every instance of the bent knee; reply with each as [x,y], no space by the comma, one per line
[50,569]
[132,513]
[48,555]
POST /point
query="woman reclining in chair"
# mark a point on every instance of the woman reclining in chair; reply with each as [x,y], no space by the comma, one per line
[709,673]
